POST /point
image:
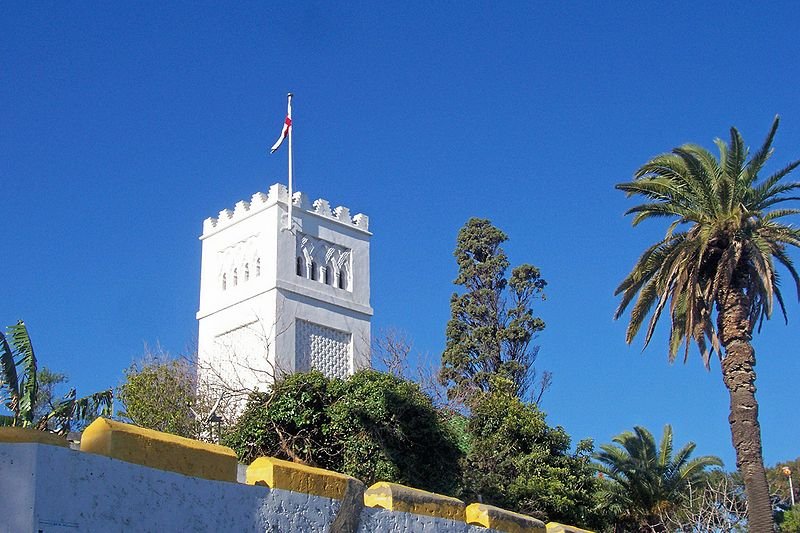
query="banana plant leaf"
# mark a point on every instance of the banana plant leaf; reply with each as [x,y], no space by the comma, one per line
[71,410]
[8,374]
[25,358]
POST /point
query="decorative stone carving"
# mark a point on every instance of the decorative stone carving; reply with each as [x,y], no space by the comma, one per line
[324,349]
[327,256]
[242,256]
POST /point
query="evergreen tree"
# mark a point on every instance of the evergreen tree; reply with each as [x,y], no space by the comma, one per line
[518,462]
[492,323]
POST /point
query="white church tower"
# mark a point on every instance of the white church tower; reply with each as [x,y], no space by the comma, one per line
[275,301]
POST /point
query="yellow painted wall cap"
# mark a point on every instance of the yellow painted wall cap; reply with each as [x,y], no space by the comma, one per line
[102,425]
[155,449]
[396,497]
[23,435]
[286,475]
[555,527]
[496,518]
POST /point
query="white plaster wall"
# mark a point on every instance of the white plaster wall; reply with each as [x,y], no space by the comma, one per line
[240,367]
[54,490]
[17,487]
[348,236]
[268,304]
[295,306]
[249,304]
[254,233]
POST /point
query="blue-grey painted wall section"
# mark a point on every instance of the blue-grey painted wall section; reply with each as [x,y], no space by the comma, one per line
[57,490]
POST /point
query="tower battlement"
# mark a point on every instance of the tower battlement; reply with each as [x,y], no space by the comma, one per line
[279,193]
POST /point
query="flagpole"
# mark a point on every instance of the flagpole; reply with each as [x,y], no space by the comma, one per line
[291,200]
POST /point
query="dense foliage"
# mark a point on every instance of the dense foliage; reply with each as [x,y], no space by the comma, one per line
[390,431]
[373,426]
[716,268]
[790,522]
[159,393]
[516,461]
[492,322]
[650,480]
[778,479]
[378,427]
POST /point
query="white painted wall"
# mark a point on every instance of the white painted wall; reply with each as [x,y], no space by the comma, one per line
[56,490]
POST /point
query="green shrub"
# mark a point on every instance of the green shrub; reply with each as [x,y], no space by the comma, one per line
[517,462]
[372,426]
[391,431]
[290,422]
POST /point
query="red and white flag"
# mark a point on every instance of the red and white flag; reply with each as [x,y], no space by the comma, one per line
[287,124]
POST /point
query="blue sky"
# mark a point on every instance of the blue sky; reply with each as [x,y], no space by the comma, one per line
[123,126]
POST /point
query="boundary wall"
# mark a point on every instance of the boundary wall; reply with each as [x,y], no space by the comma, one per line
[126,478]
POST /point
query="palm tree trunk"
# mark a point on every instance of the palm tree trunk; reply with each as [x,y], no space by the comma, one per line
[739,376]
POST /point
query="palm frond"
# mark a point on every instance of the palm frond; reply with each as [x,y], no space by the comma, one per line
[759,193]
[781,305]
[699,178]
[665,449]
[76,410]
[754,166]
[778,200]
[732,241]
[657,210]
[646,477]
[760,255]
[780,213]
[780,254]
[737,154]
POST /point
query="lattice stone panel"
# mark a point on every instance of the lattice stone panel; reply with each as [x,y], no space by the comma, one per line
[324,349]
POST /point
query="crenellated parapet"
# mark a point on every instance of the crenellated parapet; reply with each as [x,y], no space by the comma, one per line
[278,193]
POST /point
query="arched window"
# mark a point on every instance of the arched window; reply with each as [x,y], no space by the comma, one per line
[235,277]
[258,267]
[299,268]
[247,271]
[313,270]
[341,280]
[327,279]
[224,282]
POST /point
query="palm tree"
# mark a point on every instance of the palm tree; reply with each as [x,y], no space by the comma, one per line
[648,480]
[19,387]
[718,274]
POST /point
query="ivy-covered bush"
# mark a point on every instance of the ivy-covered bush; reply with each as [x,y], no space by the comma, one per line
[372,426]
[391,431]
[290,422]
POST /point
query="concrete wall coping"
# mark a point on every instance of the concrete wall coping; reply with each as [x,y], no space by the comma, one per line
[396,497]
[501,520]
[155,449]
[18,435]
[555,527]
[280,474]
